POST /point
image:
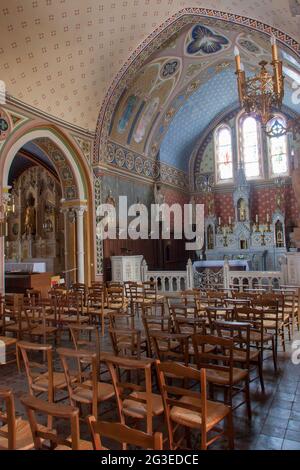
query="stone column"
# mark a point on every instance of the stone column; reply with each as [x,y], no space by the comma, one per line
[80,242]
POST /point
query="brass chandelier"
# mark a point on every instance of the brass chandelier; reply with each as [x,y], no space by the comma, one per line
[261,95]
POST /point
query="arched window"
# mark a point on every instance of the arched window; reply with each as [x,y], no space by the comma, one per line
[278,150]
[250,147]
[223,151]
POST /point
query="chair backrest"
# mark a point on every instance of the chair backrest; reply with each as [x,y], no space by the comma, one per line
[150,290]
[173,394]
[7,417]
[86,337]
[87,370]
[35,370]
[115,297]
[126,341]
[190,326]
[35,408]
[183,311]
[171,346]
[139,391]
[239,332]
[123,434]
[215,353]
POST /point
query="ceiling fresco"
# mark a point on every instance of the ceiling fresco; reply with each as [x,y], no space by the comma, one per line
[199,65]
[61,56]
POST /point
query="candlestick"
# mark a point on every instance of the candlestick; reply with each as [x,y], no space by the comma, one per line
[274,48]
[237,59]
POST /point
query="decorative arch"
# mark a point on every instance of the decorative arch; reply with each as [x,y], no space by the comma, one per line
[60,151]
[154,41]
[73,172]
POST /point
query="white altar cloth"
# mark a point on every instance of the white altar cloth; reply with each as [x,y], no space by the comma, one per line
[25,267]
[219,263]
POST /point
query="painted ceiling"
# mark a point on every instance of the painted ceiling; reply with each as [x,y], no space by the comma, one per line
[60,56]
[187,84]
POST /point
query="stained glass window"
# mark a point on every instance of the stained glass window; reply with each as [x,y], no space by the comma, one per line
[278,151]
[251,151]
[224,154]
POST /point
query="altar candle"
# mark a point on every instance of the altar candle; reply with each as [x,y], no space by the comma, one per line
[268,218]
[256,218]
[219,220]
[229,220]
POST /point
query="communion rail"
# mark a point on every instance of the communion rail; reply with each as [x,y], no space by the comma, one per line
[174,281]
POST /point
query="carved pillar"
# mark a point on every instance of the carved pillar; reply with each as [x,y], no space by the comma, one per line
[295,236]
[80,242]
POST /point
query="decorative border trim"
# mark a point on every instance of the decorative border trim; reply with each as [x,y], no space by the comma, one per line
[153,42]
[125,159]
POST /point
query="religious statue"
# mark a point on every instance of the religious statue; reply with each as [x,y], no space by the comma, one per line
[110,199]
[29,223]
[210,238]
[159,198]
[279,234]
[242,212]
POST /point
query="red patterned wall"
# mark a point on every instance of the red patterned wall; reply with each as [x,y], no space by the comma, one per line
[263,202]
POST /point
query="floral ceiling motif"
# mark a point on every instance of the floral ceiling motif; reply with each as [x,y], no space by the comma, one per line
[203,40]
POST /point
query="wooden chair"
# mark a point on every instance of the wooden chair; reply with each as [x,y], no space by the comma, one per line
[17,320]
[135,401]
[15,432]
[97,310]
[123,435]
[135,296]
[81,288]
[189,408]
[243,354]
[153,322]
[41,378]
[82,382]
[171,346]
[35,407]
[150,294]
[276,318]
[259,336]
[126,342]
[220,370]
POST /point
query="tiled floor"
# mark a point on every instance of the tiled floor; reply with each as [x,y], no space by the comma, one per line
[275,420]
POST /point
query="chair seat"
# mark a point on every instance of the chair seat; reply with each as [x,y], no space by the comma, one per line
[8,341]
[105,391]
[139,410]
[255,336]
[216,412]
[43,330]
[83,445]
[271,324]
[22,326]
[222,377]
[42,381]
[241,356]
[23,436]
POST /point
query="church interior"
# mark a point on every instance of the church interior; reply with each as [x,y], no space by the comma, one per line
[135,342]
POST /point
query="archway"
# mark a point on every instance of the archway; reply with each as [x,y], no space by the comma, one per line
[75,207]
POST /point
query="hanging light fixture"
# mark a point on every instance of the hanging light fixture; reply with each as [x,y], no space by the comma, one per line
[262,95]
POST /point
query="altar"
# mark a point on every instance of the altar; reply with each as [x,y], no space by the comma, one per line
[245,238]
[237,264]
[11,267]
